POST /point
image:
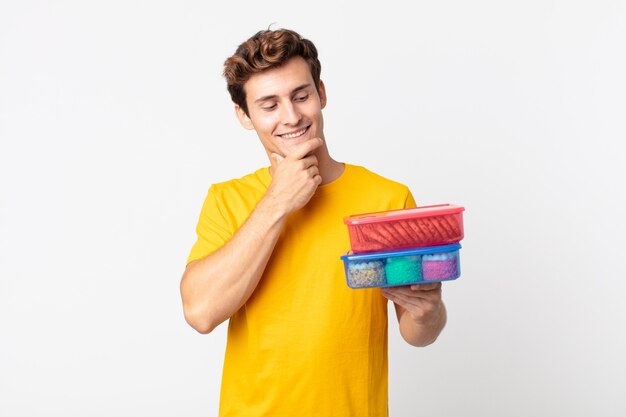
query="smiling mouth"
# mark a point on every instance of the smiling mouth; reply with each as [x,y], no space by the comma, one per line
[295,134]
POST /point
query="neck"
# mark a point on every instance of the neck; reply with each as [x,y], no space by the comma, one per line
[330,169]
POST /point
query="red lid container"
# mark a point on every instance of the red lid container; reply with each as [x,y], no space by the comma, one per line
[439,224]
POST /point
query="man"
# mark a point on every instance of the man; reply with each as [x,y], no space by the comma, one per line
[300,341]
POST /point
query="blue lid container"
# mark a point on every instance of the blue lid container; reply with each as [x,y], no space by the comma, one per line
[403,267]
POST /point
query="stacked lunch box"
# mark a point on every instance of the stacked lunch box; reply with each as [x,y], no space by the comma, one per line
[404,247]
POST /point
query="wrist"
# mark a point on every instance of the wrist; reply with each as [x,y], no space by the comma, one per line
[434,318]
[272,208]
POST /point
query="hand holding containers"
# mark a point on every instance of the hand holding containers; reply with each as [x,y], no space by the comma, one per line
[405,228]
[404,247]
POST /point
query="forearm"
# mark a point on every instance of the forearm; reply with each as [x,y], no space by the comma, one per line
[421,333]
[215,287]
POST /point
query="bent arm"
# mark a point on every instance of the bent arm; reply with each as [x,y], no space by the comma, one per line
[215,287]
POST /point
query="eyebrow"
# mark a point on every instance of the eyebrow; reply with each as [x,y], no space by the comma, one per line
[274,96]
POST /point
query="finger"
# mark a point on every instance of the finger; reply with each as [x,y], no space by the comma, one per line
[426,287]
[414,304]
[302,149]
[313,170]
[409,303]
[405,291]
[417,288]
[308,161]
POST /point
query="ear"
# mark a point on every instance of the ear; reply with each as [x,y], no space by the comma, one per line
[322,93]
[243,118]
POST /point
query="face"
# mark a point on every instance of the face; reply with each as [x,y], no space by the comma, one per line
[284,106]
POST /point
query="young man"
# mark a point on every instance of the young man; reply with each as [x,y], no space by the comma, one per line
[300,341]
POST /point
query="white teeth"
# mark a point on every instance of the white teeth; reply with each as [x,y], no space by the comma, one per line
[295,134]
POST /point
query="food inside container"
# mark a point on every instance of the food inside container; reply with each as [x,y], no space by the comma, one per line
[403,267]
[405,228]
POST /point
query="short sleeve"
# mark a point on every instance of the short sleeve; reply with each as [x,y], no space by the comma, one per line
[410,201]
[213,230]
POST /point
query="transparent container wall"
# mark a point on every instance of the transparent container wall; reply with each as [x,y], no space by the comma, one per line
[388,270]
[406,233]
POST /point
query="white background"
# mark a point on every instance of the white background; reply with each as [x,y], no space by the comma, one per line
[114,121]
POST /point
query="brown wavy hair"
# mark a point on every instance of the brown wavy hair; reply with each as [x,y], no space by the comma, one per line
[264,50]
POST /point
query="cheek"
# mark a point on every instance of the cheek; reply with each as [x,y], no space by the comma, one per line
[265,124]
[314,111]
[318,118]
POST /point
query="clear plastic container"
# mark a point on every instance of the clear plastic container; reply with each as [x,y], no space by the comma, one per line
[439,224]
[403,267]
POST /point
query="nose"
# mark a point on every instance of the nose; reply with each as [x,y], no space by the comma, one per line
[290,114]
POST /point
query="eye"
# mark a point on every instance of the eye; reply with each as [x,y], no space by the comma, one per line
[269,107]
[302,97]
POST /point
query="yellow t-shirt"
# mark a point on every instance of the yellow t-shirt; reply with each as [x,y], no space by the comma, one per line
[304,344]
